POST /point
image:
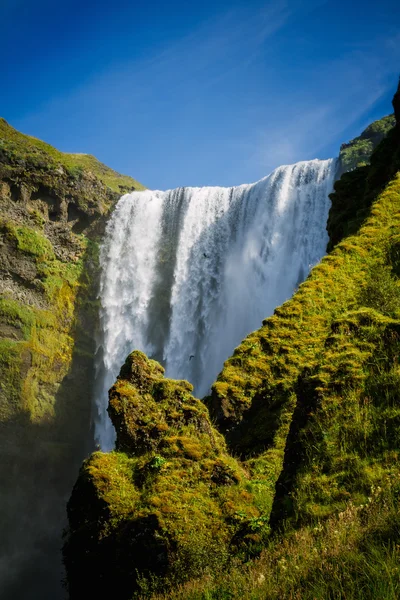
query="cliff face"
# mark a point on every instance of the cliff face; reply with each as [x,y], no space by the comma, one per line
[52,210]
[310,405]
[396,105]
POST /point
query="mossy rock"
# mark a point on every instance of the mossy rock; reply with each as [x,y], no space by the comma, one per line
[168,504]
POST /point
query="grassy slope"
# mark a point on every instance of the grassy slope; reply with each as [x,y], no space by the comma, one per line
[28,147]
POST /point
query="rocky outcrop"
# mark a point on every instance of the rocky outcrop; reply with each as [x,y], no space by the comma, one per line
[168,504]
[355,192]
[357,152]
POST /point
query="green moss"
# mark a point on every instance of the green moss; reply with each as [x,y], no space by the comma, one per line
[357,152]
[17,314]
[30,241]
[47,331]
[10,377]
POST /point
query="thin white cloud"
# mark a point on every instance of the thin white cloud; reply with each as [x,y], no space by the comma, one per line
[346,90]
[276,126]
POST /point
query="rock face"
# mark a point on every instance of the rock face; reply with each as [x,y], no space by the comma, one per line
[168,503]
[396,105]
[52,210]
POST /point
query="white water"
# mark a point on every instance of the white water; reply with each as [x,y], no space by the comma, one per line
[190,272]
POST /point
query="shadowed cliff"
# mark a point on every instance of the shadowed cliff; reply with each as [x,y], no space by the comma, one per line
[52,211]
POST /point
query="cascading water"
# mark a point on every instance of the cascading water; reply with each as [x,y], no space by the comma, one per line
[188,273]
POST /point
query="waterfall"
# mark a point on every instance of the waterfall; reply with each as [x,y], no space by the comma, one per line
[186,274]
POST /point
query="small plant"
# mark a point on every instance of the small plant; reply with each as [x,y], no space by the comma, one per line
[156,463]
[37,218]
[75,172]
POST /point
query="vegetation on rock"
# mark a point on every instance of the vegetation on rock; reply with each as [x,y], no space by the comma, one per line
[169,503]
[21,154]
[357,152]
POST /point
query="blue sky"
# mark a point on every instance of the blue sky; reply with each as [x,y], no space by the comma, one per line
[212,93]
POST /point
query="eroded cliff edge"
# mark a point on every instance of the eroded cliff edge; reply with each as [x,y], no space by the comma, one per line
[53,208]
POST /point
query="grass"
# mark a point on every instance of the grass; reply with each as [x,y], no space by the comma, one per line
[353,555]
[15,147]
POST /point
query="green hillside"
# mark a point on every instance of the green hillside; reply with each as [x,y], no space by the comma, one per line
[29,152]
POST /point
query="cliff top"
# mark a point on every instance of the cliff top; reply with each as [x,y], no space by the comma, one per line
[357,152]
[21,147]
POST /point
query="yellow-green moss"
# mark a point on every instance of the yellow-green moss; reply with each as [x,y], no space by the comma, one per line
[171,484]
[255,395]
[47,331]
[30,241]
